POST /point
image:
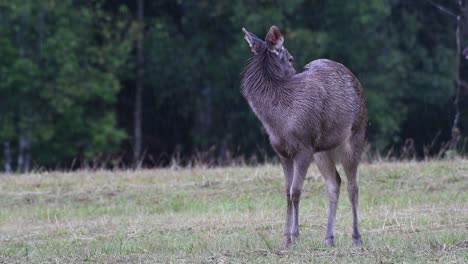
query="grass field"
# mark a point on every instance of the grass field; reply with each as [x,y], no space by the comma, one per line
[410,213]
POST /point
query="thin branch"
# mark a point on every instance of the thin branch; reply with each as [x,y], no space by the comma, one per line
[443,9]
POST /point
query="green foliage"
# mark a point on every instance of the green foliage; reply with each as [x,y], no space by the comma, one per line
[59,77]
[383,43]
[64,64]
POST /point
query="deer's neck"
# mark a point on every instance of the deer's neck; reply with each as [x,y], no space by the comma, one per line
[264,80]
[268,91]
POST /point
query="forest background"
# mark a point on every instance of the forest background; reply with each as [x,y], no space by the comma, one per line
[152,83]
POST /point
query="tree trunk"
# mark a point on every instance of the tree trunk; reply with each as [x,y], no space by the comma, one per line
[138,138]
[20,161]
[455,130]
[455,137]
[24,143]
[7,156]
[24,153]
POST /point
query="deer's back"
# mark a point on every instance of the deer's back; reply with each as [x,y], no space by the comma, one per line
[328,105]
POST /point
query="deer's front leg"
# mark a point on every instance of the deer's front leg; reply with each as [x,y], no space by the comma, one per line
[301,164]
[288,169]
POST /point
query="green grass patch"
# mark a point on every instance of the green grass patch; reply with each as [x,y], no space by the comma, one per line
[410,213]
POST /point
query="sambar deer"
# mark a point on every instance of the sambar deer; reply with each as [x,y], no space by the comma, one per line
[319,114]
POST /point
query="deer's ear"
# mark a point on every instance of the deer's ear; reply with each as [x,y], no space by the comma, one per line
[274,39]
[255,43]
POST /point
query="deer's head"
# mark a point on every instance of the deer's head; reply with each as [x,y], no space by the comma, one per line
[272,47]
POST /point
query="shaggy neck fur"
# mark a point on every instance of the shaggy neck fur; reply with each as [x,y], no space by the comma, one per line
[263,75]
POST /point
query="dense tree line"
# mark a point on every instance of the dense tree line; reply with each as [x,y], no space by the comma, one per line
[71,72]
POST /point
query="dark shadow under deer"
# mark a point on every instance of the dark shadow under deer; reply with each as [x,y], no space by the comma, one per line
[319,114]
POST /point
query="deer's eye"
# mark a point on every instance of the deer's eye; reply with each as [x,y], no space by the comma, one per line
[291,59]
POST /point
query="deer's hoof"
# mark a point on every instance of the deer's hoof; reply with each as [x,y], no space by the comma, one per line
[357,241]
[286,245]
[290,241]
[330,241]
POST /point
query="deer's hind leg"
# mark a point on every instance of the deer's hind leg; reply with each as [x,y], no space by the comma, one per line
[327,168]
[350,165]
